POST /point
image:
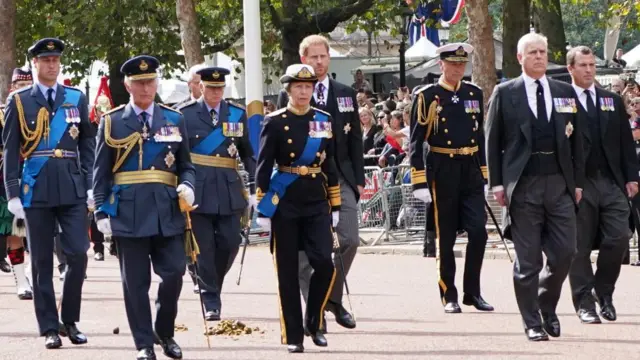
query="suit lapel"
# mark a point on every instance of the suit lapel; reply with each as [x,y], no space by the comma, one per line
[131,119]
[37,94]
[60,95]
[332,102]
[203,113]
[159,121]
[521,104]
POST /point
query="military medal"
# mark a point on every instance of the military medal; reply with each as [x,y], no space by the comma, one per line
[214,119]
[347,128]
[232,150]
[606,104]
[231,129]
[145,132]
[323,157]
[74,132]
[455,99]
[169,159]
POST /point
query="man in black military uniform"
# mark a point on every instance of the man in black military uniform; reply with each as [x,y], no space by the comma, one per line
[218,136]
[448,116]
[48,125]
[611,180]
[142,167]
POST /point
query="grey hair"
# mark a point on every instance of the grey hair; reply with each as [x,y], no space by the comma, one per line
[194,69]
[529,39]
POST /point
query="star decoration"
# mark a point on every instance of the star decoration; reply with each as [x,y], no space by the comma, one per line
[74,132]
[439,108]
[232,150]
[347,128]
[169,159]
[455,99]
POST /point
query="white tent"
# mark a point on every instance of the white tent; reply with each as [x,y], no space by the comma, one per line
[632,57]
[422,48]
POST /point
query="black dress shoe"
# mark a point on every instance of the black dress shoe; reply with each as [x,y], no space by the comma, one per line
[212,315]
[588,316]
[170,348]
[317,338]
[52,340]
[295,348]
[536,334]
[551,324]
[146,354]
[25,295]
[607,310]
[343,318]
[477,302]
[452,307]
[98,256]
[75,336]
[4,266]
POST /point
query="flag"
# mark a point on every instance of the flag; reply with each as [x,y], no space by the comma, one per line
[103,101]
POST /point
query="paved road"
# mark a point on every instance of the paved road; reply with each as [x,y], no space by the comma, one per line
[398,311]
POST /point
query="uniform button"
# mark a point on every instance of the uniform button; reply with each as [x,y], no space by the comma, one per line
[471,93]
[474,129]
[446,131]
[197,136]
[473,117]
[217,155]
[450,155]
[292,155]
[444,119]
[473,141]
[315,165]
[289,141]
[449,142]
[153,168]
[313,176]
[318,154]
[284,115]
[286,128]
[168,146]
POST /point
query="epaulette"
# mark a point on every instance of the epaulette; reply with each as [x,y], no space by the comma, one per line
[184,105]
[169,108]
[422,88]
[277,112]
[231,103]
[472,84]
[19,91]
[320,111]
[114,109]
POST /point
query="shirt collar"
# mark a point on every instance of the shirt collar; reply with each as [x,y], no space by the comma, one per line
[217,108]
[138,110]
[580,91]
[528,80]
[44,88]
[324,82]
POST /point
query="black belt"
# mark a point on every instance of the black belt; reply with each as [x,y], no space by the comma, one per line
[55,153]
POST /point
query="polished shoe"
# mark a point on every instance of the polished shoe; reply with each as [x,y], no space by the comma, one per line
[212,315]
[343,318]
[607,310]
[75,336]
[98,256]
[589,316]
[452,307]
[146,354]
[25,295]
[4,266]
[295,348]
[169,347]
[317,338]
[536,334]
[52,340]
[551,324]
[477,302]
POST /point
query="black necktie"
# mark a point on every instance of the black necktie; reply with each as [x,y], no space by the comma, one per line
[591,107]
[541,104]
[50,98]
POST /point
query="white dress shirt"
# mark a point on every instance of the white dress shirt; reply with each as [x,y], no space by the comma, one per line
[582,97]
[532,87]
[149,112]
[324,82]
[44,89]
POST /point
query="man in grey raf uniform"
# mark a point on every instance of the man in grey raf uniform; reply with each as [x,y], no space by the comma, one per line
[142,167]
[48,125]
[217,135]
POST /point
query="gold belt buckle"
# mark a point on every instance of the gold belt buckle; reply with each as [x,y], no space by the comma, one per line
[57,153]
[303,170]
[465,151]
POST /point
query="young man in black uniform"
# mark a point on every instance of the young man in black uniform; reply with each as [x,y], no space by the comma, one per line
[448,116]
[300,203]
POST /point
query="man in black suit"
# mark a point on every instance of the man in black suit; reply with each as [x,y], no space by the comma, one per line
[340,101]
[611,176]
[536,169]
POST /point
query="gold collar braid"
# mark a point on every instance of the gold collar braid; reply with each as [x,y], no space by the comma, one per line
[127,144]
[31,137]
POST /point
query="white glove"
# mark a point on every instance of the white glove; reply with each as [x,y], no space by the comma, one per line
[104,226]
[422,194]
[15,207]
[91,204]
[264,223]
[335,217]
[252,201]
[486,190]
[186,193]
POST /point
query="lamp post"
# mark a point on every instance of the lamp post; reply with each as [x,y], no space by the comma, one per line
[407,13]
[443,33]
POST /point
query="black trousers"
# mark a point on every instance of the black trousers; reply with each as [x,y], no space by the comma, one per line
[219,239]
[41,230]
[603,217]
[97,238]
[136,256]
[457,188]
[313,235]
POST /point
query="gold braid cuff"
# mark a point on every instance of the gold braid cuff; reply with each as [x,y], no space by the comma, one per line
[334,195]
[31,137]
[485,172]
[127,144]
[418,176]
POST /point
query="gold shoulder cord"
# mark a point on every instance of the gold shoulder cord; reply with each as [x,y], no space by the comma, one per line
[127,144]
[2,117]
[432,116]
[32,138]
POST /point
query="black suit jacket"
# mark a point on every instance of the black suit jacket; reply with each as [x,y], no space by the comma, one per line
[617,141]
[346,132]
[508,136]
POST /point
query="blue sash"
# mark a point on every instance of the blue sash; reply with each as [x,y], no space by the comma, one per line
[151,150]
[280,181]
[209,144]
[57,128]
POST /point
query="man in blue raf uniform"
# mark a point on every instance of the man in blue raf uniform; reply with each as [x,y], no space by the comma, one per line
[48,125]
[142,154]
[217,135]
[448,116]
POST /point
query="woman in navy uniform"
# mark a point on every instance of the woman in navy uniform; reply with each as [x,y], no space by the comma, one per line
[299,203]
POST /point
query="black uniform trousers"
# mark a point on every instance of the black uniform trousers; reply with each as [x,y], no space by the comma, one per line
[219,239]
[97,238]
[313,235]
[603,214]
[41,230]
[136,256]
[457,187]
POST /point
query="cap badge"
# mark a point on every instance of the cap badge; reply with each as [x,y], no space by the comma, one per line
[215,75]
[50,45]
[460,52]
[304,73]
[143,65]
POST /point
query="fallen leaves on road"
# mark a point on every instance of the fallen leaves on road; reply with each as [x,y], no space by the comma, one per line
[180,327]
[232,328]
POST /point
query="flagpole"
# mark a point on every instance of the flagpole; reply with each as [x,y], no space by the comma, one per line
[253,71]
